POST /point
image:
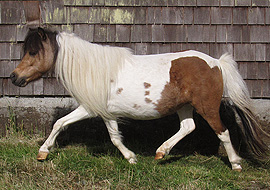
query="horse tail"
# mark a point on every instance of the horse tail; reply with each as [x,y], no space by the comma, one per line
[236,91]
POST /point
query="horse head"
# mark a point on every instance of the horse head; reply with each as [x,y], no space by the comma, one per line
[40,52]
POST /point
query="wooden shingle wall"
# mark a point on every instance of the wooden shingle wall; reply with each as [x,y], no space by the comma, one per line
[241,27]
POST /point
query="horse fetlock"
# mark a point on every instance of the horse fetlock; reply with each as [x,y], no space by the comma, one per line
[236,160]
[236,164]
[131,158]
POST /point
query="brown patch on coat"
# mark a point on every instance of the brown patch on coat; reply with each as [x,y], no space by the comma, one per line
[147,100]
[193,81]
[146,85]
[136,106]
[119,90]
[147,93]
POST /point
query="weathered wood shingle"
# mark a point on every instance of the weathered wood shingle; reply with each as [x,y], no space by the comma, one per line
[121,16]
[12,12]
[240,15]
[173,15]
[259,34]
[5,51]
[53,12]
[244,52]
[158,33]
[263,3]
[227,3]
[85,31]
[123,33]
[8,33]
[221,15]
[202,15]
[78,15]
[207,3]
[256,15]
[240,27]
[242,3]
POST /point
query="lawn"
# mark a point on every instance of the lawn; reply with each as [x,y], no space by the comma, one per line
[101,166]
[84,158]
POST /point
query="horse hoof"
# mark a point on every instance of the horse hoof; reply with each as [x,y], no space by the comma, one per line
[238,170]
[132,161]
[237,167]
[159,155]
[42,156]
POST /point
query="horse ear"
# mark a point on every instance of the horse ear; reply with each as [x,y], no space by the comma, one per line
[42,33]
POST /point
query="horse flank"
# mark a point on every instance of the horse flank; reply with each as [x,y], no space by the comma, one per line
[87,71]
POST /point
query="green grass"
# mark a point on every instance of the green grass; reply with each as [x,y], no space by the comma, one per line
[99,165]
[77,167]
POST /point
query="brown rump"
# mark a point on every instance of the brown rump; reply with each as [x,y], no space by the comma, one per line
[193,81]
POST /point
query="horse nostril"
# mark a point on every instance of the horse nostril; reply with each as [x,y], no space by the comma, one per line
[22,82]
[13,77]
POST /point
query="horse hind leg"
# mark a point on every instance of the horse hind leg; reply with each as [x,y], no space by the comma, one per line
[213,119]
[233,157]
[187,125]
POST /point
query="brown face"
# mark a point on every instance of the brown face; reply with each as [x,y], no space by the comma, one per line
[37,60]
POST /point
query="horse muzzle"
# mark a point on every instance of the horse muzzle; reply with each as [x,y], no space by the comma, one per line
[21,82]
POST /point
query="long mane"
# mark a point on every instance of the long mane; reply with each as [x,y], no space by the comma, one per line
[87,71]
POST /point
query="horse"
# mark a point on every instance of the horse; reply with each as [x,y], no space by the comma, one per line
[112,83]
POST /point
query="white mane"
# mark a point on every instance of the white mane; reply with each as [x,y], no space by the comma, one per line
[86,70]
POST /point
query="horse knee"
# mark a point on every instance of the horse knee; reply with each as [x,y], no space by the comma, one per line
[57,124]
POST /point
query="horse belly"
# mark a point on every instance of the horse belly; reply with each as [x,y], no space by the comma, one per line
[135,110]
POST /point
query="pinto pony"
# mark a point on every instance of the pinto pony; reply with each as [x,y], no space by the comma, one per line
[111,82]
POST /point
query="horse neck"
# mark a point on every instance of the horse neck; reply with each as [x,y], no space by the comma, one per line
[55,47]
[87,69]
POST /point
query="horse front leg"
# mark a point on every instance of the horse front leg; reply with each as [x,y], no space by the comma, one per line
[116,139]
[79,114]
[187,125]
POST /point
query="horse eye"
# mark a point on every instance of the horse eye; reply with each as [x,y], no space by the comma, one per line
[33,53]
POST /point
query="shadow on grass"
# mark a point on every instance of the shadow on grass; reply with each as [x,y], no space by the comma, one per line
[142,137]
